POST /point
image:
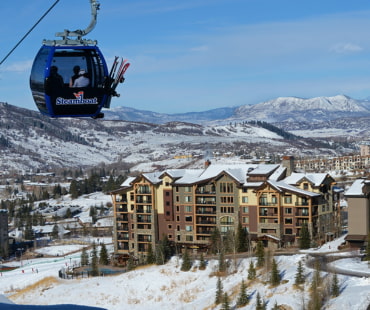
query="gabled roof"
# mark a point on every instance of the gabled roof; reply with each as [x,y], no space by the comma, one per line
[356,188]
[282,186]
[314,178]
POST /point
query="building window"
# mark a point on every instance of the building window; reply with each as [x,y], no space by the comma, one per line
[177,208]
[227,199]
[189,238]
[245,220]
[274,199]
[178,218]
[187,198]
[226,187]
[227,209]
[189,228]
[188,209]
[245,209]
[187,189]
[188,218]
[288,211]
[167,193]
[305,186]
[245,199]
[169,226]
[288,221]
[288,231]
[287,199]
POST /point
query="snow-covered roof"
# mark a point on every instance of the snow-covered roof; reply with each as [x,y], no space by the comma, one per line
[127,182]
[314,178]
[356,188]
[284,186]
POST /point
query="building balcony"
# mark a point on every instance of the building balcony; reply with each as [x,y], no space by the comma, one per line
[206,210]
[122,208]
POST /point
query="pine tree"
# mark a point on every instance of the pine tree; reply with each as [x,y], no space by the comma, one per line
[55,232]
[251,271]
[103,257]
[222,266]
[305,239]
[241,239]
[335,286]
[186,261]
[202,263]
[219,292]
[150,258]
[243,298]
[260,304]
[73,189]
[299,277]
[131,263]
[84,257]
[94,262]
[225,302]
[216,242]
[275,276]
[260,253]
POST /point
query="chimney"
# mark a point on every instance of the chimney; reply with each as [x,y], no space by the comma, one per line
[207,163]
[288,163]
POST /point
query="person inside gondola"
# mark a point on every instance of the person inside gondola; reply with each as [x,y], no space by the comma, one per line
[76,70]
[54,82]
[83,79]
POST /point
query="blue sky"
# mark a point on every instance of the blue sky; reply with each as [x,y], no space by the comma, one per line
[197,55]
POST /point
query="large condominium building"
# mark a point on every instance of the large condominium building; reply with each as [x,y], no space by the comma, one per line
[187,205]
[4,233]
[358,196]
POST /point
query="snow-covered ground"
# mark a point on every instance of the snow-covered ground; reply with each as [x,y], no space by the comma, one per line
[167,287]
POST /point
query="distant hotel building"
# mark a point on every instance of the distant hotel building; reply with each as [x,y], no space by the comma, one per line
[270,201]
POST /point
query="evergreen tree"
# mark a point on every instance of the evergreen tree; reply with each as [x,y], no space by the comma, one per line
[251,271]
[222,266]
[219,292]
[241,239]
[225,302]
[216,242]
[73,189]
[103,257]
[260,253]
[260,304]
[299,277]
[275,276]
[150,258]
[243,298]
[163,251]
[186,261]
[55,232]
[131,263]
[305,239]
[94,262]
[335,286]
[202,263]
[28,232]
[84,257]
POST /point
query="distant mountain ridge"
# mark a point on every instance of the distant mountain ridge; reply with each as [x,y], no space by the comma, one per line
[282,109]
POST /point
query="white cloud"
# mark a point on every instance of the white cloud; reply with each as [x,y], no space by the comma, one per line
[20,66]
[345,48]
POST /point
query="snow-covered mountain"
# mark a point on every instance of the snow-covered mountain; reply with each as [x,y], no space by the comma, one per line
[30,140]
[277,110]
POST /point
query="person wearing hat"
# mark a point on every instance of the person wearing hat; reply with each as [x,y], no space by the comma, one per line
[82,80]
